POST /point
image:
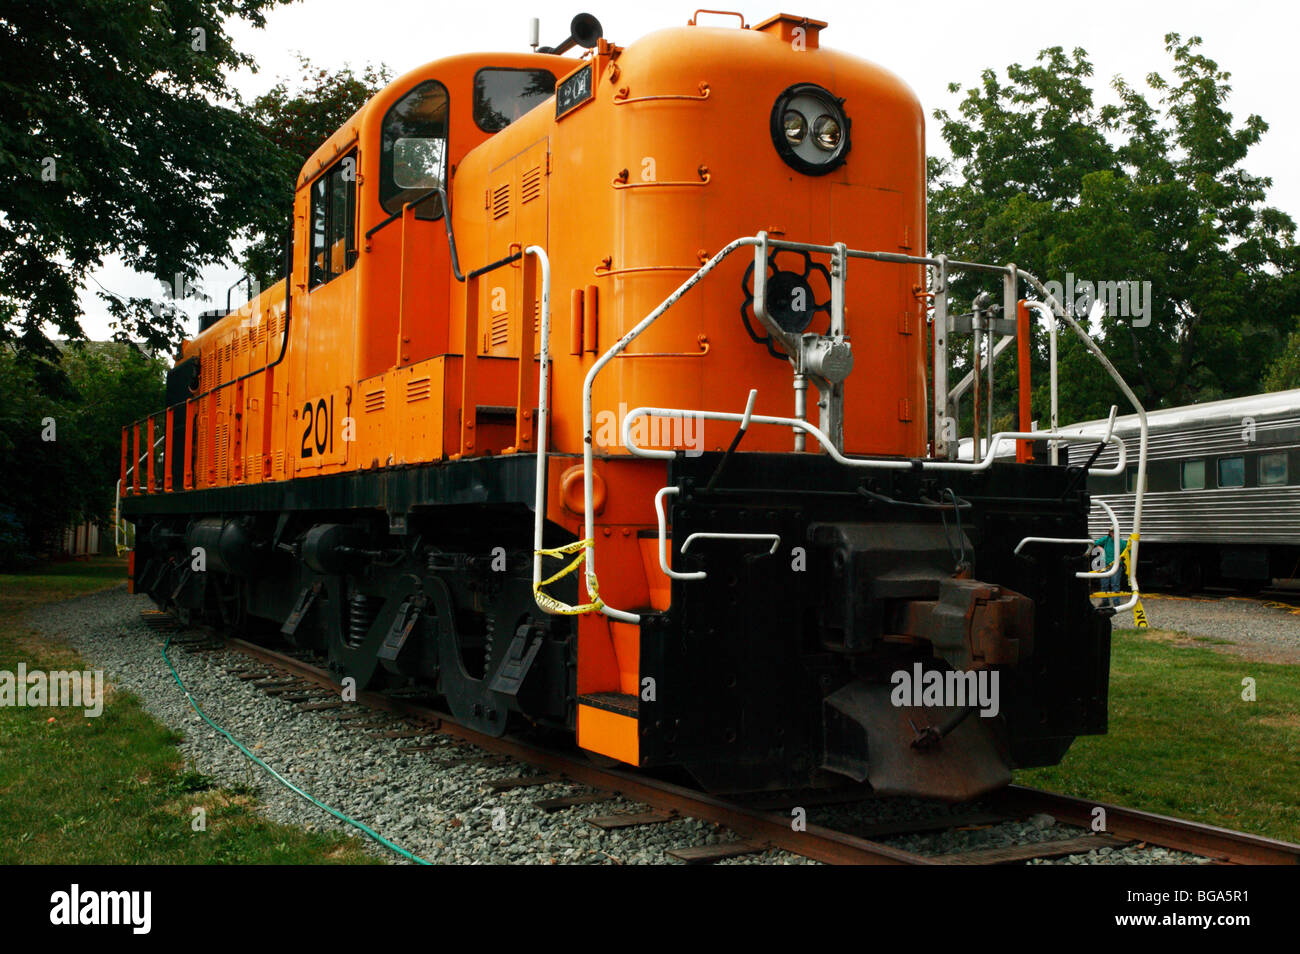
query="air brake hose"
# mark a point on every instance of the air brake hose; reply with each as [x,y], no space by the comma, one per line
[364,829]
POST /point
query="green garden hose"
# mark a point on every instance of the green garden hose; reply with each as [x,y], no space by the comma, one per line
[364,829]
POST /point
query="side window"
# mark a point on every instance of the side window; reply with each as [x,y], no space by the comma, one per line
[1131,478]
[319,208]
[333,221]
[1272,469]
[1193,475]
[413,149]
[1232,472]
[501,96]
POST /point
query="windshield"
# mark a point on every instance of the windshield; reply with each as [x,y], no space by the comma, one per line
[501,96]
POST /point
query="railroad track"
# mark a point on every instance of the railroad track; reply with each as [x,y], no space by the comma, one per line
[758,825]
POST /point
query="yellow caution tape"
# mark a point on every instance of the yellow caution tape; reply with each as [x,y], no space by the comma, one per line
[549,603]
[1139,614]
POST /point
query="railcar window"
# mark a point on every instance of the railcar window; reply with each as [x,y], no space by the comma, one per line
[1131,478]
[333,221]
[1232,472]
[501,96]
[1193,475]
[413,149]
[1272,469]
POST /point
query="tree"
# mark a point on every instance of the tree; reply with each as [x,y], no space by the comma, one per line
[60,435]
[119,134]
[1124,192]
[295,123]
[1284,373]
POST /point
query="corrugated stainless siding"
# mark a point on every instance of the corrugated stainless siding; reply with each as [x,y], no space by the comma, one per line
[1235,515]
[1241,515]
[1214,439]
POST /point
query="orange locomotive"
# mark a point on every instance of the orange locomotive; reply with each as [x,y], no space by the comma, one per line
[508,271]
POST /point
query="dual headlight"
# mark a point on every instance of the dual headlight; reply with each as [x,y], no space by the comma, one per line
[809,129]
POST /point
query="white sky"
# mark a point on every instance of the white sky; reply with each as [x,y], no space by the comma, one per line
[927,44]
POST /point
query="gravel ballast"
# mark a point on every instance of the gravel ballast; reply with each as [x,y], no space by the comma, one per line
[1260,628]
[423,801]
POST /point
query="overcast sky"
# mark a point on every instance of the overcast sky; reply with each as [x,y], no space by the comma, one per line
[928,44]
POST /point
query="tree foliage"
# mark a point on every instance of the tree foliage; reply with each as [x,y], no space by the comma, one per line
[60,433]
[1284,373]
[295,121]
[1131,190]
[120,134]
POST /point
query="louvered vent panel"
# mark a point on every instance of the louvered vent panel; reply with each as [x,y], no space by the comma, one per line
[222,440]
[501,200]
[500,332]
[375,401]
[532,185]
[417,389]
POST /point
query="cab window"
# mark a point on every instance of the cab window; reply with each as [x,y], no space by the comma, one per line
[413,150]
[333,221]
[501,96]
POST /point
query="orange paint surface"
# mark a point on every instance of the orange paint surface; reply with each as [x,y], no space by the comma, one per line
[395,362]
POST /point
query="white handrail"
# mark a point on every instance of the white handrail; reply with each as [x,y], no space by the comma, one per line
[543,414]
[588,457]
[1099,309]
[713,535]
[876,463]
[803,426]
[119,538]
[1114,535]
[663,538]
[1054,419]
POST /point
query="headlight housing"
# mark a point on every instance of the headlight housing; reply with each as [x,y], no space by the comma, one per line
[810,130]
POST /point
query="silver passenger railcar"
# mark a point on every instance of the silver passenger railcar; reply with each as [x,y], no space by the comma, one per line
[1223,490]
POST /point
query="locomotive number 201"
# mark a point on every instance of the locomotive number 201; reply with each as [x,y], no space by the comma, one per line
[317,420]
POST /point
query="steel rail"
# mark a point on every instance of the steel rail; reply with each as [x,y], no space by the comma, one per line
[1221,844]
[817,842]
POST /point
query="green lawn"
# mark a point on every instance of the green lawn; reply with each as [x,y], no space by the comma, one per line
[1183,742]
[113,789]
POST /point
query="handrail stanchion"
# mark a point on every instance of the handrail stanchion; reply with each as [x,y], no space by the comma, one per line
[149,472]
[169,449]
[135,470]
[1024,450]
